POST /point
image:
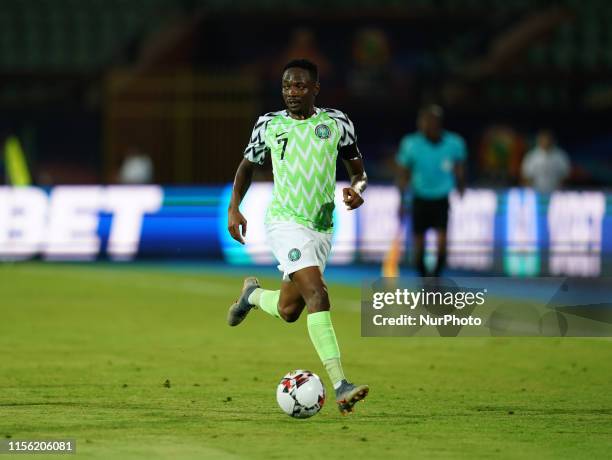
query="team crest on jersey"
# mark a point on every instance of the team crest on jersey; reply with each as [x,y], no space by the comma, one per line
[322,131]
[294,254]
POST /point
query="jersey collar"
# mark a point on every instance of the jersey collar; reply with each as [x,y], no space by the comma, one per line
[317,111]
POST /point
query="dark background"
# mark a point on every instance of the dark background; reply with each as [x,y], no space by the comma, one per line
[85,82]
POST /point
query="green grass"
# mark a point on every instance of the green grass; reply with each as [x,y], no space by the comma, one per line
[85,352]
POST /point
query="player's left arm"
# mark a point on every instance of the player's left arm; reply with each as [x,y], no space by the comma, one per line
[353,161]
[359,181]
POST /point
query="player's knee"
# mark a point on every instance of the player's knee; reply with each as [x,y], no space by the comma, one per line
[290,317]
[290,314]
[317,300]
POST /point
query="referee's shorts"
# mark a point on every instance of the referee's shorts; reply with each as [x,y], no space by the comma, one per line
[428,213]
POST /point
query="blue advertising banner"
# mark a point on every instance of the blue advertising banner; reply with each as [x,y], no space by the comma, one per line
[515,232]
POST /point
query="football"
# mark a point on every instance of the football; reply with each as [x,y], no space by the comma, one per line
[300,394]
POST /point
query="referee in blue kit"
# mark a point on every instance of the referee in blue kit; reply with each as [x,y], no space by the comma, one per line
[431,162]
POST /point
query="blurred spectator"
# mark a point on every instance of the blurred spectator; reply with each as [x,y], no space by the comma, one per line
[500,152]
[137,168]
[546,166]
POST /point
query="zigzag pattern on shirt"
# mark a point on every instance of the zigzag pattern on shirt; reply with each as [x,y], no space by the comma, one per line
[304,164]
[256,150]
[345,125]
[306,173]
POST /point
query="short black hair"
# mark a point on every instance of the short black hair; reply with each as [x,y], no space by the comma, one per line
[305,64]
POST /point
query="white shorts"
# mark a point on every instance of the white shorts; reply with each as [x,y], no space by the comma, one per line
[296,247]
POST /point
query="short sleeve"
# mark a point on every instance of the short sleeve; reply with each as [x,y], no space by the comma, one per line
[347,142]
[460,149]
[405,153]
[256,150]
[347,130]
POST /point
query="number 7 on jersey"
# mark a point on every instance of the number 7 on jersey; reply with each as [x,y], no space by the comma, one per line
[284,142]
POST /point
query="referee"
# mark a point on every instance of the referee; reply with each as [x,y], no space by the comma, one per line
[431,161]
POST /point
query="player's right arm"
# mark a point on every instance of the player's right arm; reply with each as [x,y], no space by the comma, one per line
[254,155]
[236,222]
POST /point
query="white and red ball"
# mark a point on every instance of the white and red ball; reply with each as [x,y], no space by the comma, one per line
[300,394]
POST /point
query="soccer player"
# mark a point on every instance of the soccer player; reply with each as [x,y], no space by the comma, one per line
[432,159]
[303,142]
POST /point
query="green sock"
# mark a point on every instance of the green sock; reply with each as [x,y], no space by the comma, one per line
[266,300]
[323,337]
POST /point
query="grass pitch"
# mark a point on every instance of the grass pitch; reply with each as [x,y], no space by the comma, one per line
[137,362]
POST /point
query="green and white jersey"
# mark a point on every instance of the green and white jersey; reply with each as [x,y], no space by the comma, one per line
[303,154]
